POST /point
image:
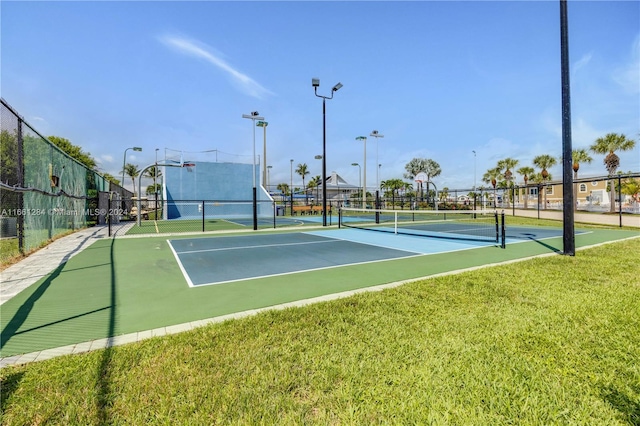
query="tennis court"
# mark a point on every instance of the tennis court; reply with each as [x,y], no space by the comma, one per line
[125,285]
[215,260]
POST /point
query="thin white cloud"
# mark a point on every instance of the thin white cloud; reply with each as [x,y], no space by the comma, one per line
[581,63]
[197,49]
[107,158]
[628,76]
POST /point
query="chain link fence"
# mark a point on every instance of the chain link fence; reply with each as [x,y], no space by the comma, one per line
[44,193]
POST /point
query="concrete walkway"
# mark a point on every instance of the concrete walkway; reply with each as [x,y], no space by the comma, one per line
[28,271]
[23,274]
[612,219]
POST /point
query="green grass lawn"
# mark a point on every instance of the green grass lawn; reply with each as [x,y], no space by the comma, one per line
[8,250]
[551,340]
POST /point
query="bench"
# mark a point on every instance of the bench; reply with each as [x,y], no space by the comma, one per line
[309,209]
[301,210]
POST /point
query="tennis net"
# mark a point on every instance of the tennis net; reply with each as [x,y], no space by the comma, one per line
[477,225]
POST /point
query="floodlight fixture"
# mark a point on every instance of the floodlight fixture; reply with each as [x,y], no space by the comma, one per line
[315,83]
[254,116]
[377,135]
[364,173]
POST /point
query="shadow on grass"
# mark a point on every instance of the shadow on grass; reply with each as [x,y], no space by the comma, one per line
[7,387]
[104,398]
[624,404]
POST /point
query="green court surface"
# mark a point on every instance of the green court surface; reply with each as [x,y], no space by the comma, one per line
[124,285]
[212,225]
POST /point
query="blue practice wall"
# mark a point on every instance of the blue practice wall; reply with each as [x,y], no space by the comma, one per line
[213,183]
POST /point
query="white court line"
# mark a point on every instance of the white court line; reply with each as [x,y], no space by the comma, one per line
[327,240]
[332,240]
[184,272]
[259,277]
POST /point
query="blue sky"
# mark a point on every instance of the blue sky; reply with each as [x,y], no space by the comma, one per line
[438,79]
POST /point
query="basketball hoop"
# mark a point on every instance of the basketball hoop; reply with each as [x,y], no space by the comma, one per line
[189,166]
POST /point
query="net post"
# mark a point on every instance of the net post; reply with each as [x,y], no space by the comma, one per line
[395,221]
[275,212]
[377,206]
[504,242]
[495,215]
[339,217]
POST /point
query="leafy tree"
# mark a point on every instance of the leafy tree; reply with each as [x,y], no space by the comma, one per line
[545,162]
[303,170]
[608,145]
[111,178]
[74,151]
[525,172]
[631,187]
[578,156]
[133,172]
[9,169]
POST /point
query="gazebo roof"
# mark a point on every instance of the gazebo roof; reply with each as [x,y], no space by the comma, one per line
[335,181]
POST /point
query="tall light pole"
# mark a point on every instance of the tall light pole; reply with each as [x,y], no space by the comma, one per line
[359,173]
[264,125]
[377,135]
[319,157]
[155,180]
[124,164]
[291,188]
[254,116]
[474,172]
[269,177]
[364,173]
[315,82]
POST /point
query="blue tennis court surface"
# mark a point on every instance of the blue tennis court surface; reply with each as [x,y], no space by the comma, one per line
[217,260]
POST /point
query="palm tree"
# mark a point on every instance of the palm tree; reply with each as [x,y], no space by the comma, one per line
[303,170]
[492,176]
[525,172]
[133,172]
[444,194]
[284,188]
[393,185]
[152,189]
[578,156]
[545,162]
[413,168]
[538,180]
[432,169]
[608,144]
[153,173]
[507,164]
[315,183]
